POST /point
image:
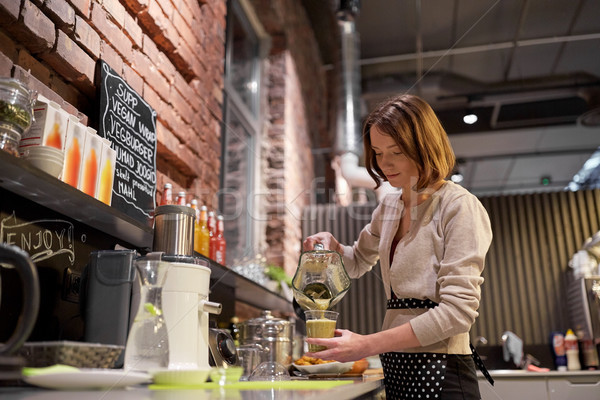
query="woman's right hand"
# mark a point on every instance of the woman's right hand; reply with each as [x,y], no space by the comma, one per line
[325,238]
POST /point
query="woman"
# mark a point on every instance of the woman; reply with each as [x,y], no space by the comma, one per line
[431,238]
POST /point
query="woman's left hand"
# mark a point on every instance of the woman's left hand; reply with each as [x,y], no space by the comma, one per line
[345,346]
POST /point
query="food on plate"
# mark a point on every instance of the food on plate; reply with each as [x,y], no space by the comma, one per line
[304,360]
[359,366]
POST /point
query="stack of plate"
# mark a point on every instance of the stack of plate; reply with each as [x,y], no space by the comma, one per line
[48,159]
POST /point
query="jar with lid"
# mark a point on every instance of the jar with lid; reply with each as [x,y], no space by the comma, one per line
[9,139]
[16,104]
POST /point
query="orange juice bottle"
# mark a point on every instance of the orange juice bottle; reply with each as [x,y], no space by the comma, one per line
[204,235]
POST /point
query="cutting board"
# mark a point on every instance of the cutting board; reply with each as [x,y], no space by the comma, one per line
[303,384]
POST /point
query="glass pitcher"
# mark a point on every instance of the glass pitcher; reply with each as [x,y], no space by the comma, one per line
[148,344]
[321,280]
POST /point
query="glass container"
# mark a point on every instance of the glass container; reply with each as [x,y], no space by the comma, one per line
[321,280]
[9,139]
[16,104]
[148,343]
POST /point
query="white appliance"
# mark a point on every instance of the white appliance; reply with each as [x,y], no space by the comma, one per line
[186,311]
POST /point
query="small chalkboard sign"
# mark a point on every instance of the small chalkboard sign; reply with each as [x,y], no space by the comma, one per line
[130,124]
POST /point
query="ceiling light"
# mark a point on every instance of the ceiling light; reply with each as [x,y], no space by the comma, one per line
[457,177]
[470,118]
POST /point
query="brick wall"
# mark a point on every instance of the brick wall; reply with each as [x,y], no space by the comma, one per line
[170,51]
[297,107]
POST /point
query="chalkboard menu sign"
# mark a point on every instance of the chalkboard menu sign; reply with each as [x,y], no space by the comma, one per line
[130,124]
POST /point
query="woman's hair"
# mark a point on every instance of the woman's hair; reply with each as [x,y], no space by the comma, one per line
[415,128]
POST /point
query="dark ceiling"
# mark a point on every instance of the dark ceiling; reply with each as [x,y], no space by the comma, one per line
[529,68]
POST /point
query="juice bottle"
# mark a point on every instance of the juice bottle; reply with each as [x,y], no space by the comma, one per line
[194,205]
[204,235]
[167,196]
[217,242]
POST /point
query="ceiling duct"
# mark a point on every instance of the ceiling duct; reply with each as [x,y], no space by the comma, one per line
[348,140]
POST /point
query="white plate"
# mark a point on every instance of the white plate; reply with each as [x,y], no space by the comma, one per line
[328,368]
[180,376]
[88,379]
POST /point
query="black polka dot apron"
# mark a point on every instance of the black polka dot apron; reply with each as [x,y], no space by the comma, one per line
[417,375]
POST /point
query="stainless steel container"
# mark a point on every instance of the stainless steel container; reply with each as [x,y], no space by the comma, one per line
[174,230]
[274,335]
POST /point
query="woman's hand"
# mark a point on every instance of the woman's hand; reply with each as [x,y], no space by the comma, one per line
[325,238]
[345,346]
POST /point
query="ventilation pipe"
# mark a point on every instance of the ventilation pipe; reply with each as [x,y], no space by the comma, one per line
[348,143]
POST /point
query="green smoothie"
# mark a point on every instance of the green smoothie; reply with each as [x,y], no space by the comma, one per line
[319,328]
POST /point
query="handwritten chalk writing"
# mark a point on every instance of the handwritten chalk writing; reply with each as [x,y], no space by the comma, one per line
[145,173]
[130,140]
[125,114]
[149,135]
[42,239]
[127,191]
[129,122]
[128,97]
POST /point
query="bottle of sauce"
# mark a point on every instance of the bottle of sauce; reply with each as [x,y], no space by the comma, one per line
[217,242]
[167,197]
[572,350]
[558,348]
[204,235]
[181,199]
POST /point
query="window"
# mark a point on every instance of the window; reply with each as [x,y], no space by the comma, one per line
[240,133]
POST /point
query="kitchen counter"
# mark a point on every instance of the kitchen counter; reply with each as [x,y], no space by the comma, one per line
[372,389]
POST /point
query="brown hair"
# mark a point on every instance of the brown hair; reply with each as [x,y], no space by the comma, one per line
[415,128]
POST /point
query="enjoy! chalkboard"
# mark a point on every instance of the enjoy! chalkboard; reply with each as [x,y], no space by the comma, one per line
[130,124]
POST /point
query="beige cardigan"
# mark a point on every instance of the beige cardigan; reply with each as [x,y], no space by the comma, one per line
[441,258]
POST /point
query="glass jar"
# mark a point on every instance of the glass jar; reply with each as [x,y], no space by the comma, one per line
[16,104]
[9,139]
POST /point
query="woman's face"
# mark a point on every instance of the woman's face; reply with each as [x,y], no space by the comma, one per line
[400,171]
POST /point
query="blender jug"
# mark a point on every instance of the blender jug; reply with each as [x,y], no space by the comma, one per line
[321,280]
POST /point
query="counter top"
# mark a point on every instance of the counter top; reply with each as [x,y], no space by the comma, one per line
[351,390]
[521,374]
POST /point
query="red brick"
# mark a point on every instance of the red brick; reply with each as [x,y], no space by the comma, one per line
[133,30]
[168,38]
[9,11]
[36,69]
[8,47]
[133,79]
[61,13]
[153,99]
[150,50]
[186,33]
[185,89]
[110,32]
[70,61]
[6,65]
[34,30]
[71,99]
[185,9]
[83,6]
[167,7]
[149,72]
[87,37]
[136,6]
[182,106]
[115,10]
[152,18]
[111,57]
[166,68]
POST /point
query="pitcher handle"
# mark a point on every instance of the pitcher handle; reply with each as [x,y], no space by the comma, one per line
[15,256]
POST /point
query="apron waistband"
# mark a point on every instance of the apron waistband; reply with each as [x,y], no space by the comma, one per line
[407,303]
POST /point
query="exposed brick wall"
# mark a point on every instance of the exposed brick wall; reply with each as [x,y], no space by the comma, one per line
[170,51]
[297,106]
